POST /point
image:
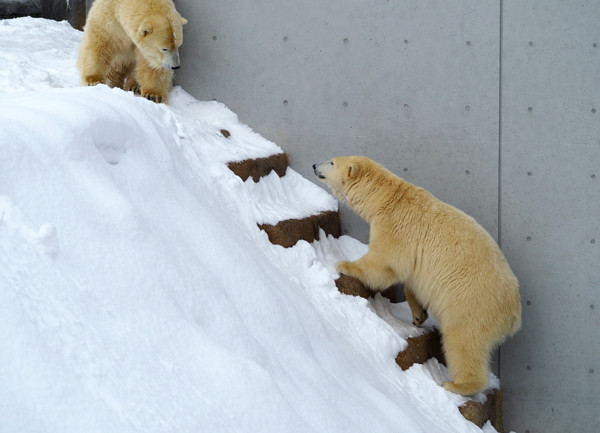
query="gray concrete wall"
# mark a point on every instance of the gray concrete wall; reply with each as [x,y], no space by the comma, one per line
[492,106]
[413,85]
[550,211]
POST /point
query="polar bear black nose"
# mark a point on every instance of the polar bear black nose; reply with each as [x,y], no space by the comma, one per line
[317,172]
[175,67]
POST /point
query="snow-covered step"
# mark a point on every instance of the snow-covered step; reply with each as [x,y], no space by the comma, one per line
[286,206]
[276,199]
[423,347]
[420,347]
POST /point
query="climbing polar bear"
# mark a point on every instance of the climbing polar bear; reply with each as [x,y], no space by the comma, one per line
[132,44]
[446,260]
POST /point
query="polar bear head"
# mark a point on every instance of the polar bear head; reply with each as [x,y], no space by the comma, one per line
[342,172]
[159,37]
[360,182]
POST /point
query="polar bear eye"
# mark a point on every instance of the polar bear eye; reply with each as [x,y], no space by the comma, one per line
[165,50]
[331,162]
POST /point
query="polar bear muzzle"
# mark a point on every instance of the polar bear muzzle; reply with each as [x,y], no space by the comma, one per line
[171,59]
[321,168]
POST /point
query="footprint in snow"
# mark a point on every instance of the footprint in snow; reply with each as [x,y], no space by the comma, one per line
[112,153]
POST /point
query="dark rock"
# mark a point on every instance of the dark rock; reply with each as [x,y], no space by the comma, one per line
[20,8]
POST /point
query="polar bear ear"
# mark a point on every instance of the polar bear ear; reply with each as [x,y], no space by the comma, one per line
[352,171]
[145,28]
[182,19]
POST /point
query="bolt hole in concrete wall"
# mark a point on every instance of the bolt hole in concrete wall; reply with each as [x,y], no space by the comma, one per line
[492,106]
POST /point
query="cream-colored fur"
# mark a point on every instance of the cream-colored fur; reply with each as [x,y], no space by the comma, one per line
[132,44]
[447,261]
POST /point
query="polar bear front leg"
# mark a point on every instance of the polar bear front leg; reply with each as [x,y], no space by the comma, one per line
[154,83]
[93,65]
[370,271]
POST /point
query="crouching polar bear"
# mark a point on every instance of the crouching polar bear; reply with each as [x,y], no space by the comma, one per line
[132,44]
[446,260]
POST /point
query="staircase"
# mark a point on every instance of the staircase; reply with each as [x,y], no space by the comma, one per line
[288,232]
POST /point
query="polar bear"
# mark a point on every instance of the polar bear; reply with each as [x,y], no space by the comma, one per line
[448,263]
[132,44]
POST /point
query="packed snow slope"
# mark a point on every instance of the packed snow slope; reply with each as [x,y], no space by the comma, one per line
[137,293]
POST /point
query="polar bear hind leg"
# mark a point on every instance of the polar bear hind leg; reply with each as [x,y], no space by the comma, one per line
[468,361]
[419,312]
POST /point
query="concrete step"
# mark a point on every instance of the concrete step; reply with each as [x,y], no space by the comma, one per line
[352,286]
[492,409]
[288,232]
[420,349]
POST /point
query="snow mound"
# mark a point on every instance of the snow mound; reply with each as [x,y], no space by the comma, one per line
[137,293]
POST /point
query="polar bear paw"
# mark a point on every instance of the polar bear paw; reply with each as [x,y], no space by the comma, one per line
[133,86]
[155,96]
[346,267]
[466,388]
[420,317]
[93,80]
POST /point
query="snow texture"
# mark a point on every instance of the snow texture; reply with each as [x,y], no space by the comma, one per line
[137,293]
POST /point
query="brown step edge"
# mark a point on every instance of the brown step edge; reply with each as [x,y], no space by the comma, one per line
[257,168]
[352,286]
[288,232]
[420,349]
[492,409]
